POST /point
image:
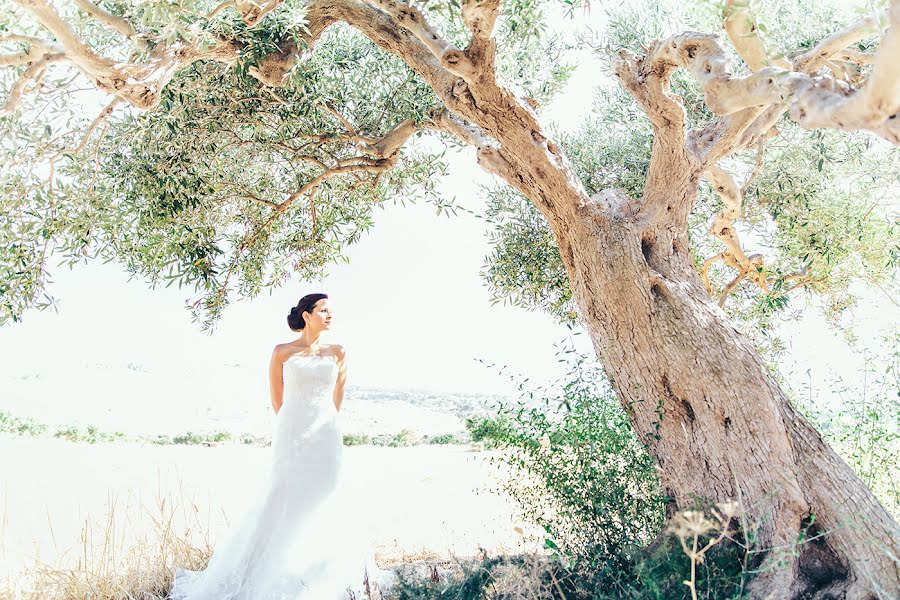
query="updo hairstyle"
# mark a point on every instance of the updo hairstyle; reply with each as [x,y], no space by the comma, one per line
[306,304]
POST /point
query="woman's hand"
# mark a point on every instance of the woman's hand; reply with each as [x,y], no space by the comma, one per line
[341,356]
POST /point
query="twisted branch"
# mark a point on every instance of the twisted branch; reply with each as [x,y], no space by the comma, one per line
[412,20]
[490,155]
[480,16]
[140,84]
[647,80]
[724,229]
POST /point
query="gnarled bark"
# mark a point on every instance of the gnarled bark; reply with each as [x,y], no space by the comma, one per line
[716,420]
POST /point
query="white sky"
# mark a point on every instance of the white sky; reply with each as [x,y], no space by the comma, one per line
[410,307]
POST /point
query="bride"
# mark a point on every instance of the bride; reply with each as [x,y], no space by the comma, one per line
[298,539]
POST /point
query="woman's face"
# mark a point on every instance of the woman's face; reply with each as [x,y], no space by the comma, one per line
[320,316]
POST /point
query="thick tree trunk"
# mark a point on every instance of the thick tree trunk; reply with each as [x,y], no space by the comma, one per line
[719,425]
[698,394]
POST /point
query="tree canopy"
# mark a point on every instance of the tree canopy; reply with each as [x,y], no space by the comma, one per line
[242,170]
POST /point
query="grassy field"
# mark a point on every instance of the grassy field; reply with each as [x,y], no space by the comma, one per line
[126,513]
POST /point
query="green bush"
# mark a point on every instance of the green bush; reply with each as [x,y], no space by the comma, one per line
[658,574]
[578,469]
[20,427]
[489,430]
[407,437]
[70,433]
[187,438]
[357,439]
[447,438]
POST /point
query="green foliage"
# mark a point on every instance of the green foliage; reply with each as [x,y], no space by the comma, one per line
[357,439]
[184,193]
[12,425]
[865,427]
[579,470]
[658,574]
[91,434]
[406,437]
[524,267]
[187,438]
[88,435]
[446,439]
[819,194]
[489,430]
[402,439]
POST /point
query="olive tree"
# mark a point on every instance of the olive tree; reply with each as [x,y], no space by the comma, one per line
[244,141]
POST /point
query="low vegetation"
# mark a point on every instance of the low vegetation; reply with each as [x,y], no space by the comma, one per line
[576,469]
[579,471]
[11,425]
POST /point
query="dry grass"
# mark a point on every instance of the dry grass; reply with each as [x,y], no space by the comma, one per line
[136,534]
[112,563]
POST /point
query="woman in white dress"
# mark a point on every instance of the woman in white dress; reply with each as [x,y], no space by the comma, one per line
[300,539]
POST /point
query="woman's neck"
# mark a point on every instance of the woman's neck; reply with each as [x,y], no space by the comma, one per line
[310,339]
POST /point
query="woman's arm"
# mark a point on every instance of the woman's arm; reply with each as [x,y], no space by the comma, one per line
[341,356]
[276,379]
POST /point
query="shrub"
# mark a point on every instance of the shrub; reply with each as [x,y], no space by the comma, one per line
[447,438]
[357,439]
[489,430]
[578,469]
[661,572]
[407,437]
[20,427]
[187,438]
[70,433]
[220,436]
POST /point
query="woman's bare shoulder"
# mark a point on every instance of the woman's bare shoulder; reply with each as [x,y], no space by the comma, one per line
[282,351]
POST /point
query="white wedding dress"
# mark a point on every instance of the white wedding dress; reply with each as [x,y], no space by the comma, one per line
[302,538]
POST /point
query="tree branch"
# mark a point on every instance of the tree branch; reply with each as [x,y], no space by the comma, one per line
[480,16]
[748,126]
[704,271]
[252,12]
[489,154]
[392,141]
[36,48]
[743,31]
[412,20]
[874,107]
[32,73]
[730,287]
[524,156]
[101,118]
[308,189]
[274,68]
[140,84]
[723,228]
[119,24]
[647,80]
[815,58]
[755,102]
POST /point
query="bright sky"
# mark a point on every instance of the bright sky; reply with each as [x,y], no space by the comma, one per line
[410,307]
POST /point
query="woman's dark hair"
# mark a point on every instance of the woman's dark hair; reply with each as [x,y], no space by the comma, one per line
[306,304]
